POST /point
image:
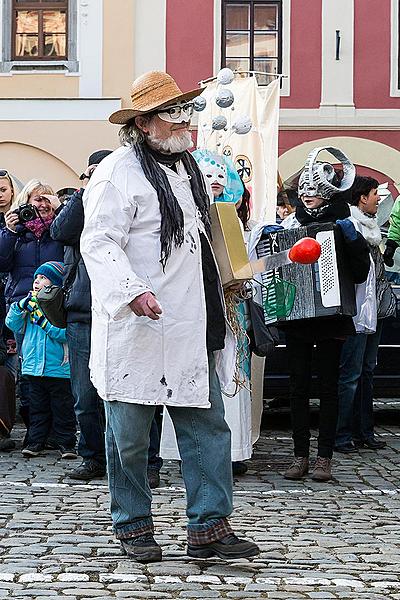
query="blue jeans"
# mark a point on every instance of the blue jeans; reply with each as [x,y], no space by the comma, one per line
[204,442]
[357,365]
[88,404]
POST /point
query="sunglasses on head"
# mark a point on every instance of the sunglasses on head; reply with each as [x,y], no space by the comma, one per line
[4,173]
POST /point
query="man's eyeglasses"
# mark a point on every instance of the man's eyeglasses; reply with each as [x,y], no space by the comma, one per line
[177,113]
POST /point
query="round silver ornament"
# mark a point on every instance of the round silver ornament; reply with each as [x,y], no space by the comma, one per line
[242,125]
[199,103]
[225,76]
[224,98]
[219,122]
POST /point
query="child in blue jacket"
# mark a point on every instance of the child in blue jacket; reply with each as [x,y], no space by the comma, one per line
[45,362]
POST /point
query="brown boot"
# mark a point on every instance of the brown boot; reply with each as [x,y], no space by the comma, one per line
[322,469]
[298,468]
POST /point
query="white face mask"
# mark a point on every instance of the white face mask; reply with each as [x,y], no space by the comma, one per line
[181,112]
[214,171]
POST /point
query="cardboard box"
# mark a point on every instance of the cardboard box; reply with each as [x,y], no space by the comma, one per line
[228,244]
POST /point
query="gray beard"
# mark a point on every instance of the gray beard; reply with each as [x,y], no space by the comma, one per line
[174,144]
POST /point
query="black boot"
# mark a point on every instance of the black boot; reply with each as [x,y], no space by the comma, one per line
[6,443]
[153,477]
[143,549]
[229,547]
[238,468]
[87,470]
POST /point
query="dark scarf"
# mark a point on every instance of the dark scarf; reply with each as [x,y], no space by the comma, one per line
[327,213]
[172,223]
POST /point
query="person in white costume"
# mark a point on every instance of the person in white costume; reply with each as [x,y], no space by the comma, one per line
[158,329]
[226,186]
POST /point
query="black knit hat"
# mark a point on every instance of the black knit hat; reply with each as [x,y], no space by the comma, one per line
[97,157]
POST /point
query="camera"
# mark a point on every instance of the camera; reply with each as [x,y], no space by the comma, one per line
[26,213]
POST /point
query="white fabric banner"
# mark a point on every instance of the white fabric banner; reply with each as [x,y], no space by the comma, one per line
[254,154]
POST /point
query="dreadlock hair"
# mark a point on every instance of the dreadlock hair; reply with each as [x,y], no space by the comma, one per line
[243,211]
[172,221]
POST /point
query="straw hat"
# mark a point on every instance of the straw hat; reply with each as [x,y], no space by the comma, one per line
[149,92]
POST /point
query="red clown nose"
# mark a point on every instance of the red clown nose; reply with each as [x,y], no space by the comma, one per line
[305,251]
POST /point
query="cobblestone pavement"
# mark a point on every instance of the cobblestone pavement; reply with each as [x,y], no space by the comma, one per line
[334,540]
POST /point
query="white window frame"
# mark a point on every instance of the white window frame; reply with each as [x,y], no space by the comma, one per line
[11,67]
[286,8]
[395,49]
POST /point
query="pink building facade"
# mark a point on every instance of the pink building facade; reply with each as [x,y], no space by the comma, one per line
[340,59]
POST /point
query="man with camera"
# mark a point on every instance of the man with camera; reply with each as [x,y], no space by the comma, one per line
[66,229]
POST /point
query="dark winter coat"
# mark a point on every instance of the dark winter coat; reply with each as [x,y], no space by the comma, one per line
[66,229]
[21,253]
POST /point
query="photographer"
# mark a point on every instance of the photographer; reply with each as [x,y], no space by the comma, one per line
[25,244]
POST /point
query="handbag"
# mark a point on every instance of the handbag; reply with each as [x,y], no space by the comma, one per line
[263,338]
[365,320]
[50,300]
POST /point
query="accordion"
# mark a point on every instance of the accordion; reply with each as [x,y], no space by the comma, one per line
[322,289]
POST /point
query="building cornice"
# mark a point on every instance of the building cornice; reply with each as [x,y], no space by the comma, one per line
[339,118]
[58,109]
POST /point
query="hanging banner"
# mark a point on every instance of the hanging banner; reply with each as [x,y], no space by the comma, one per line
[255,154]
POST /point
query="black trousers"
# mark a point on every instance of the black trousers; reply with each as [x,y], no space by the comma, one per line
[51,406]
[300,354]
[7,401]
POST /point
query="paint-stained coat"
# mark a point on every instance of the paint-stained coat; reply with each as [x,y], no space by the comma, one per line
[135,359]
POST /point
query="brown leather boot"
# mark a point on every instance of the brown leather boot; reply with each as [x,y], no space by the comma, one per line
[298,468]
[322,469]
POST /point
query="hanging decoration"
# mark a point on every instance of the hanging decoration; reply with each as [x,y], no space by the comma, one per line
[225,101]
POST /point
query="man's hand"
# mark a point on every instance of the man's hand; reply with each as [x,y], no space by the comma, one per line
[86,175]
[146,305]
[11,220]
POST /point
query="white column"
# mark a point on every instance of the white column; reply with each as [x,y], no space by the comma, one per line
[90,48]
[337,75]
[1,30]
[217,36]
[285,84]
[150,36]
[394,53]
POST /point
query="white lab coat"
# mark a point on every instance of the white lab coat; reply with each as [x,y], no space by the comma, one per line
[135,359]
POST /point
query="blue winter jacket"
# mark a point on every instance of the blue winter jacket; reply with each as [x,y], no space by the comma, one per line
[44,351]
[21,254]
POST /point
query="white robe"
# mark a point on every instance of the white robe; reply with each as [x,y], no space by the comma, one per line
[135,359]
[242,413]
